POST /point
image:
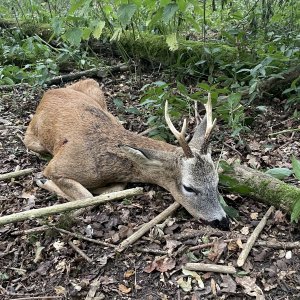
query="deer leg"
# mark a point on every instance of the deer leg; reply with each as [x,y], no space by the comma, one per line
[50,186]
[116,187]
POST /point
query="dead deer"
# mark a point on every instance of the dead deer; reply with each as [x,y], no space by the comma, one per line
[91,150]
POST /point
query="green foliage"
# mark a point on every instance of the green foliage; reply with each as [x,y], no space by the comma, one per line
[296,167]
[280,173]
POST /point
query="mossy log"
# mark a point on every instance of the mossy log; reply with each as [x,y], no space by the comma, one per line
[155,49]
[263,187]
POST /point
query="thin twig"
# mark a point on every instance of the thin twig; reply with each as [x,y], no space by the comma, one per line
[253,237]
[82,237]
[16,174]
[30,231]
[55,209]
[148,130]
[284,131]
[80,252]
[146,227]
[210,268]
[207,245]
[39,298]
[153,251]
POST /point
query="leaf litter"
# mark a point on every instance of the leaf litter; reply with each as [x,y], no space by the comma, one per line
[42,263]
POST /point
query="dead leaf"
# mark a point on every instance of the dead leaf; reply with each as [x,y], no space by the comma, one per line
[245,230]
[105,280]
[38,252]
[260,256]
[163,264]
[129,273]
[166,264]
[279,217]
[213,287]
[58,245]
[171,245]
[228,284]
[254,216]
[250,288]
[194,275]
[216,252]
[124,289]
[60,290]
[185,285]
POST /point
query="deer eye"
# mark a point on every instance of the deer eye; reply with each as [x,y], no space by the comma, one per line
[189,189]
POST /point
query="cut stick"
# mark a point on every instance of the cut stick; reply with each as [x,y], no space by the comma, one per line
[279,245]
[253,237]
[146,227]
[80,252]
[16,174]
[55,209]
[210,268]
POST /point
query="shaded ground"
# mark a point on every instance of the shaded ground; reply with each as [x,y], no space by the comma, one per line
[44,264]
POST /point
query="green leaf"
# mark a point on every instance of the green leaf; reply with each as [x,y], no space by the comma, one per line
[75,4]
[169,12]
[296,167]
[116,35]
[118,103]
[182,88]
[279,173]
[98,29]
[296,212]
[73,36]
[172,41]
[126,12]
[230,211]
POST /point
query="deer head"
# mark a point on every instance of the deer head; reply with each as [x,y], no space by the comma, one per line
[188,173]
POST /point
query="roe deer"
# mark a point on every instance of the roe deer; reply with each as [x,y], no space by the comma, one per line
[91,149]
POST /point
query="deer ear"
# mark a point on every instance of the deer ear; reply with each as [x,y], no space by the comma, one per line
[143,156]
[198,138]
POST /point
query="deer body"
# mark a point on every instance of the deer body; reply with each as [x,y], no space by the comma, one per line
[91,149]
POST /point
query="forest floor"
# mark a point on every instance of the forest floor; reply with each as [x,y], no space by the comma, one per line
[42,264]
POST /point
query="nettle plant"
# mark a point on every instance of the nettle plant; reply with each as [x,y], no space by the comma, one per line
[227,104]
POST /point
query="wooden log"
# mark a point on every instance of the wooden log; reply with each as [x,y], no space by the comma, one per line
[55,209]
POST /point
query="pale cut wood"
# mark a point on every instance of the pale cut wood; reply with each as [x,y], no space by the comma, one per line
[210,268]
[146,227]
[16,174]
[253,237]
[55,209]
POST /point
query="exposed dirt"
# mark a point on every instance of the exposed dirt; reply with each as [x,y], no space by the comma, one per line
[43,263]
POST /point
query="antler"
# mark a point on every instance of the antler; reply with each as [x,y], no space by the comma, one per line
[180,136]
[210,123]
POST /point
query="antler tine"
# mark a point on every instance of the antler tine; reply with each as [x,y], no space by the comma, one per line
[210,123]
[180,136]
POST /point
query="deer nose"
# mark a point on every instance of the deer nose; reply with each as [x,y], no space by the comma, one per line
[222,224]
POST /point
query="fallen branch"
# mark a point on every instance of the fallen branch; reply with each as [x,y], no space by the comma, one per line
[55,209]
[82,237]
[30,231]
[80,252]
[207,245]
[16,174]
[146,227]
[284,131]
[94,72]
[210,268]
[279,245]
[253,237]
